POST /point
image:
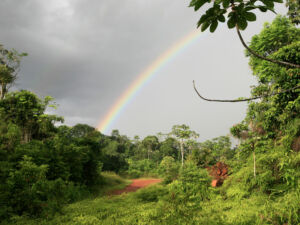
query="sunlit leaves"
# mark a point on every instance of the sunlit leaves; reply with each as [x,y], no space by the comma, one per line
[279,40]
[294,11]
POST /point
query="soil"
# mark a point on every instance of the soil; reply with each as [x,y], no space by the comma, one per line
[219,172]
[135,185]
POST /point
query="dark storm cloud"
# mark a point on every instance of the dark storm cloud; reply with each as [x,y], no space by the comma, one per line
[85,53]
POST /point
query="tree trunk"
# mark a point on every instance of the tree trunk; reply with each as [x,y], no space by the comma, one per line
[254,162]
[26,136]
[182,152]
[3,91]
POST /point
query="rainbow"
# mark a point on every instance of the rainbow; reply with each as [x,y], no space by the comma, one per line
[143,79]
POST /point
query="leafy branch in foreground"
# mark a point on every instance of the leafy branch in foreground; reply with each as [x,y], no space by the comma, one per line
[262,57]
[240,13]
[244,99]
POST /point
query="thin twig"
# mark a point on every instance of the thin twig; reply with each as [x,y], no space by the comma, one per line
[262,57]
[245,99]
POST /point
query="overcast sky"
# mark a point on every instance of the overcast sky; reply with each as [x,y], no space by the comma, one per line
[85,53]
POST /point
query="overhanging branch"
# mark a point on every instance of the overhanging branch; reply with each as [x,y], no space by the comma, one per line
[244,99]
[262,57]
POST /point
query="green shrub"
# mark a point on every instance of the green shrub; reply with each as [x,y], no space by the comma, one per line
[186,194]
[283,210]
[86,220]
[152,193]
[192,183]
[75,192]
[169,169]
[140,168]
[240,184]
[30,192]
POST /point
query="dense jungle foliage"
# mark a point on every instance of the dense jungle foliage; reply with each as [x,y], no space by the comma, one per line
[51,173]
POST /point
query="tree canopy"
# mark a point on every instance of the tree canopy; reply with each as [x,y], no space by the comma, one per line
[9,67]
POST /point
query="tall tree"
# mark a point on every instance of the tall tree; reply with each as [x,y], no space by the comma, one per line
[274,116]
[169,147]
[279,40]
[151,143]
[183,134]
[9,67]
[26,110]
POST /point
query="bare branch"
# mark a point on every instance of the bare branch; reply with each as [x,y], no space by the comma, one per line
[262,57]
[244,99]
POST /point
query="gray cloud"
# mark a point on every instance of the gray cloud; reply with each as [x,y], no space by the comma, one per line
[86,53]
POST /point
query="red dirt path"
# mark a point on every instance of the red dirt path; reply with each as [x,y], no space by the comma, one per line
[135,185]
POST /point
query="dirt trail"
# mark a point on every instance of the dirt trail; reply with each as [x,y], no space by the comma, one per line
[135,185]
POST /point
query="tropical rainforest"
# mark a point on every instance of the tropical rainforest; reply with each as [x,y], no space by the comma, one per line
[51,173]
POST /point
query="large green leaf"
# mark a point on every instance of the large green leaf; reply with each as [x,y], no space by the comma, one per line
[231,22]
[226,3]
[204,26]
[221,18]
[268,3]
[202,19]
[240,7]
[197,4]
[242,23]
[263,8]
[248,8]
[192,3]
[213,26]
[250,16]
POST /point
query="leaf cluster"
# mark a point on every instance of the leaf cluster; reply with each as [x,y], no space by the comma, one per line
[237,13]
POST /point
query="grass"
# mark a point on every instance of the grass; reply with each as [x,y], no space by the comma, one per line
[153,205]
[112,182]
[123,209]
[88,206]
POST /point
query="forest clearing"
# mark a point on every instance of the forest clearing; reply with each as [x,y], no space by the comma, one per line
[135,185]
